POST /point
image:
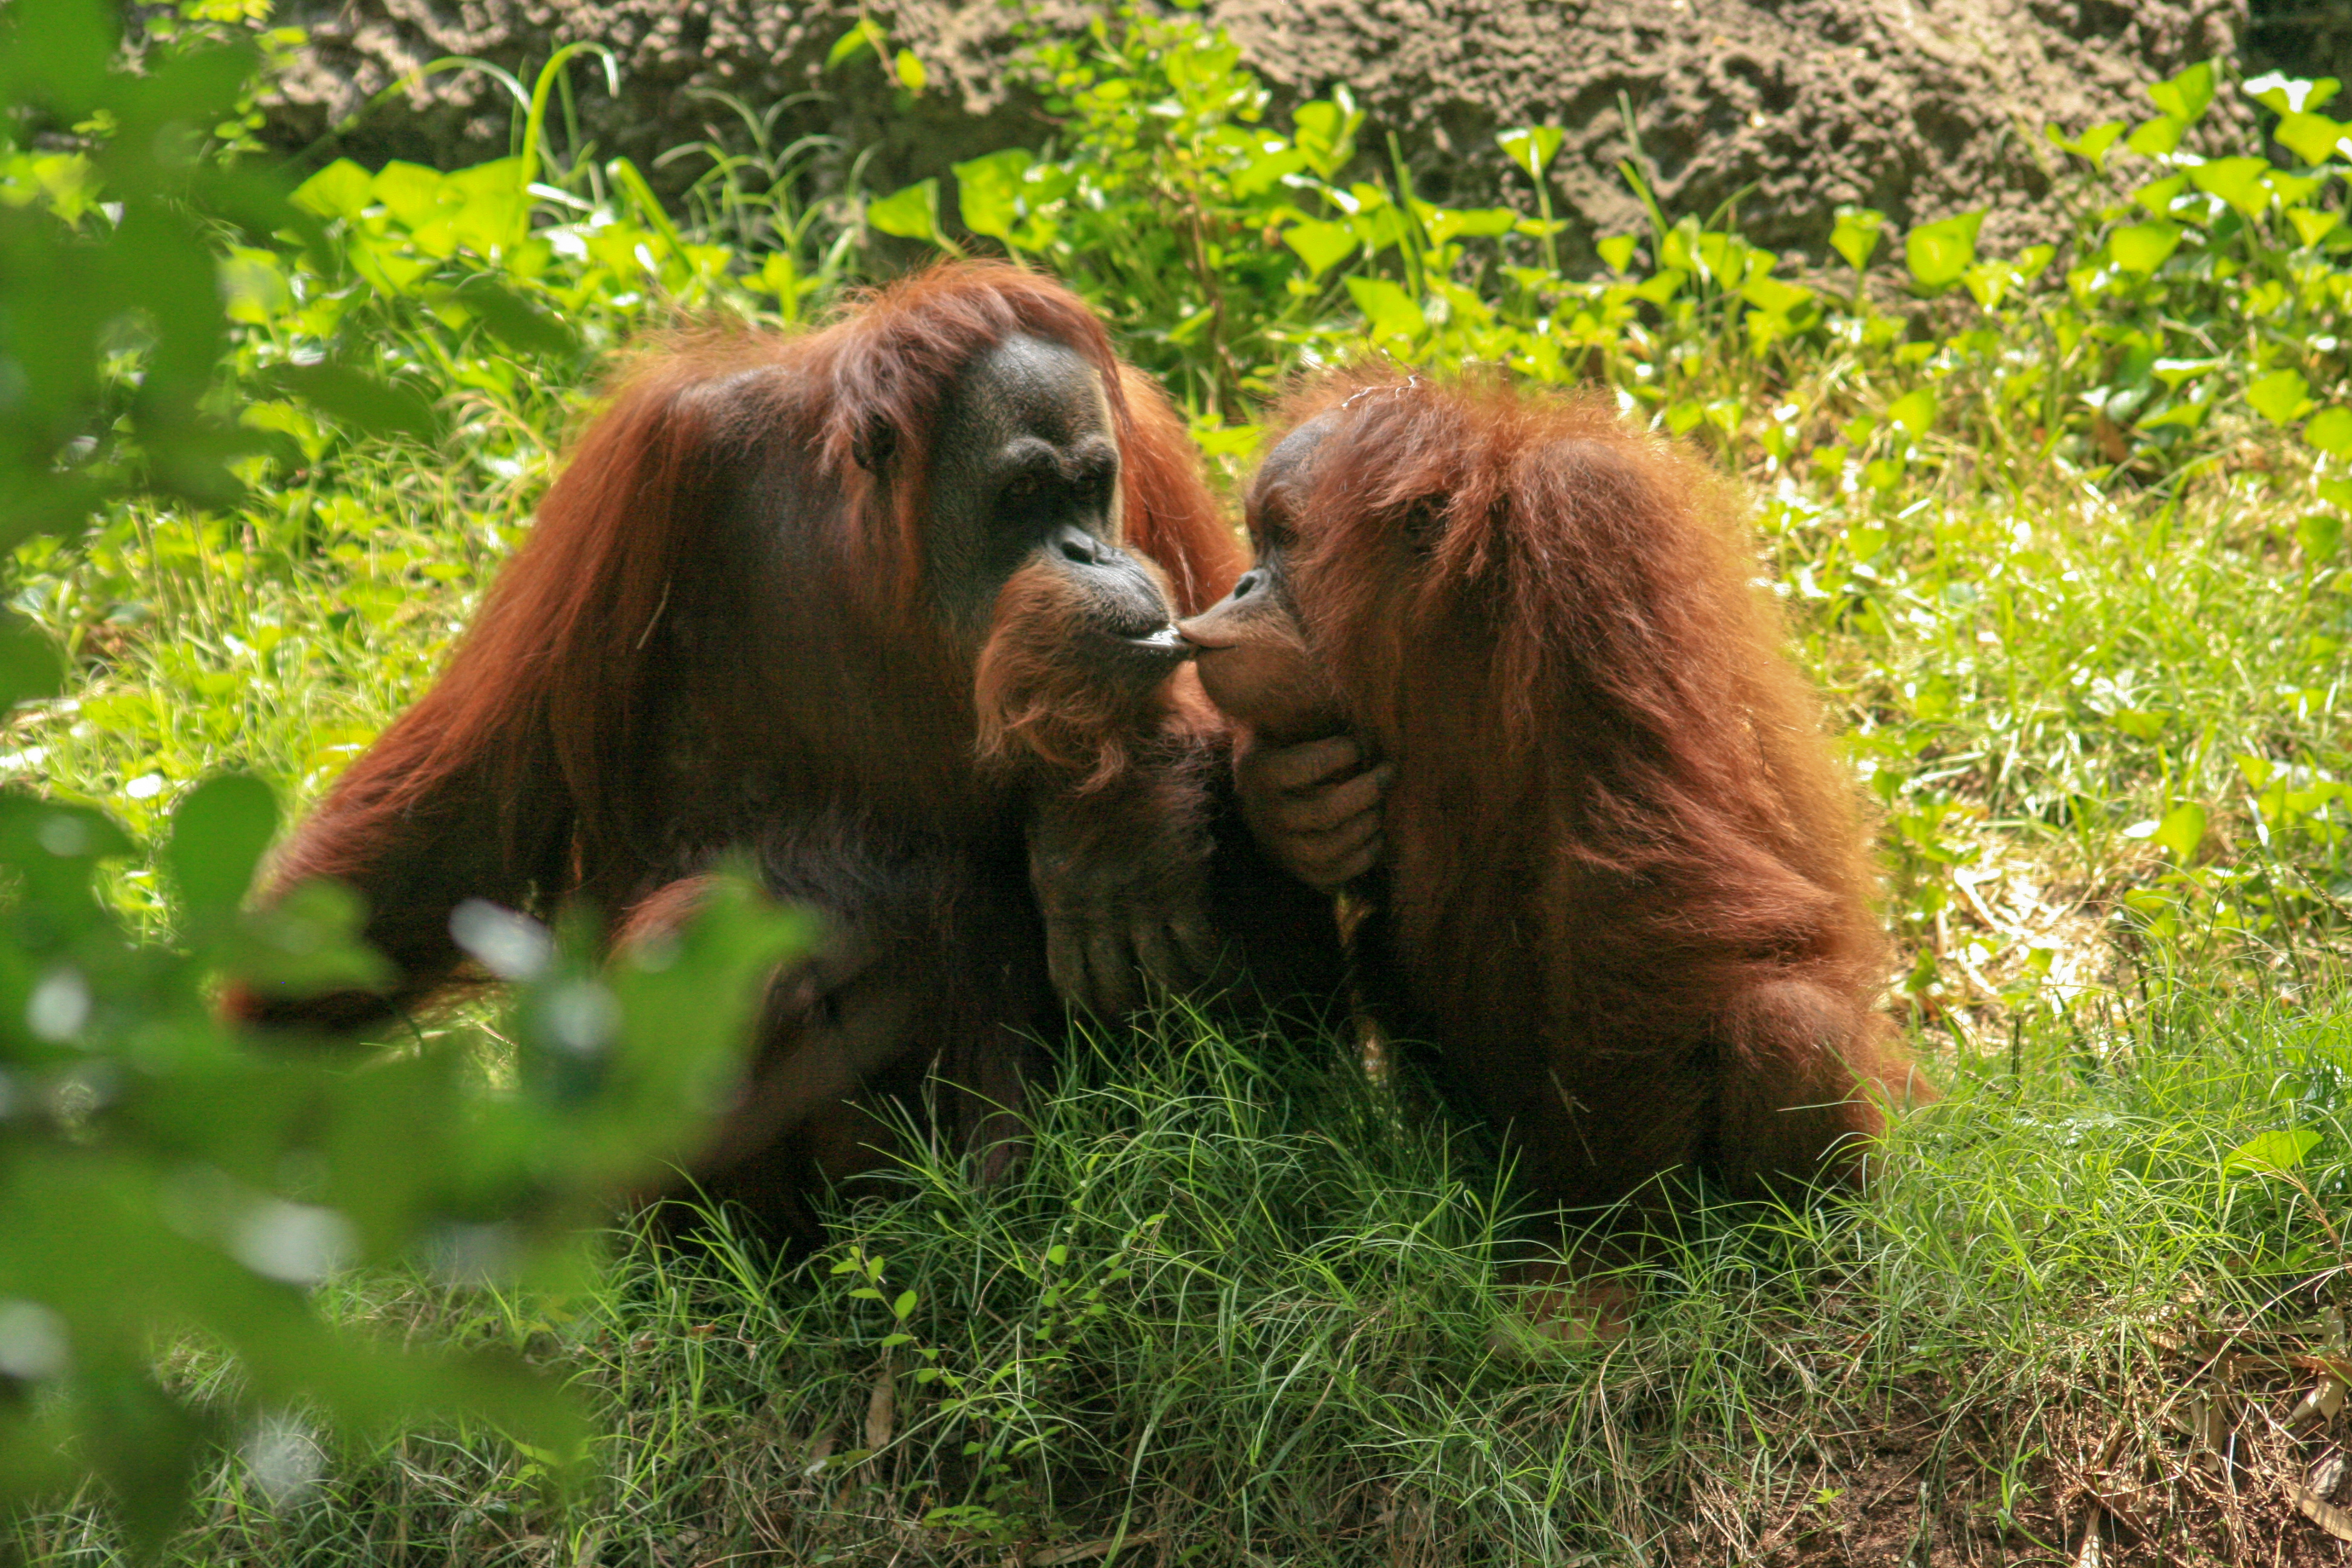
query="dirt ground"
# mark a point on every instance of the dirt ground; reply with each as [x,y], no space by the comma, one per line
[2212,1457]
[1920,108]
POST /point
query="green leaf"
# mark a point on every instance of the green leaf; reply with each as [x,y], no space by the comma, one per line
[1772,295]
[29,666]
[1267,167]
[2319,536]
[37,832]
[2174,373]
[2288,189]
[988,192]
[686,1014]
[2186,96]
[2155,138]
[905,1304]
[358,401]
[2180,832]
[2139,723]
[1617,250]
[2237,181]
[2187,415]
[2157,196]
[2313,138]
[912,212]
[1389,310]
[2284,94]
[218,833]
[1678,247]
[1857,234]
[515,320]
[492,205]
[341,189]
[1989,282]
[1531,147]
[1475,223]
[413,193]
[1322,246]
[1661,287]
[2330,430]
[2281,396]
[1325,131]
[145,1444]
[57,52]
[2094,145]
[1914,412]
[866,35]
[910,71]
[2272,1153]
[2143,248]
[2312,227]
[1939,252]
[1724,258]
[308,944]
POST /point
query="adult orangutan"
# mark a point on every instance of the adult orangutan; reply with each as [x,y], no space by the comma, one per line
[859,602]
[1625,892]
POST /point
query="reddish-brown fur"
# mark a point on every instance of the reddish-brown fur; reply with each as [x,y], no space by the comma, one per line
[718,635]
[1628,894]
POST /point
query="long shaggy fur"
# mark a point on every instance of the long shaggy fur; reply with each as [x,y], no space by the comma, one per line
[1630,894]
[720,615]
[720,636]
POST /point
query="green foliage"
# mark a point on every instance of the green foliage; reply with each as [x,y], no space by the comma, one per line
[165,1179]
[1166,202]
[2273,1153]
[1231,251]
[111,323]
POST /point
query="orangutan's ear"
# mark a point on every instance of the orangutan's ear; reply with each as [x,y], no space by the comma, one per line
[874,446]
[1424,520]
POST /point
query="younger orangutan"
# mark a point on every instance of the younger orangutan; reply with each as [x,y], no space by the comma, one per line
[1626,893]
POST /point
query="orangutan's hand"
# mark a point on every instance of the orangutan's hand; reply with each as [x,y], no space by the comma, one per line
[1314,808]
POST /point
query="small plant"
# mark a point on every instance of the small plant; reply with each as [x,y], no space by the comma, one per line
[165,1179]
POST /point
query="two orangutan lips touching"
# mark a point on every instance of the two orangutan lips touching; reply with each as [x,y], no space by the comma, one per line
[887,607]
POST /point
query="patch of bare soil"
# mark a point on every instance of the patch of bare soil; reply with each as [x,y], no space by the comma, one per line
[2227,1450]
[1921,107]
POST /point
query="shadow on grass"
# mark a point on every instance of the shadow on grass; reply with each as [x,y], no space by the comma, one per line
[1237,1302]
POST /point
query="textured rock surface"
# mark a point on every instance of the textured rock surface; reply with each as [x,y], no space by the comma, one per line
[1918,107]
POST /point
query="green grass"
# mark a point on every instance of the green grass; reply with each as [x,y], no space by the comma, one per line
[1238,1306]
[2032,681]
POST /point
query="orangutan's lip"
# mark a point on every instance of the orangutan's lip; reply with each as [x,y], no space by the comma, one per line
[1165,640]
[1201,644]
